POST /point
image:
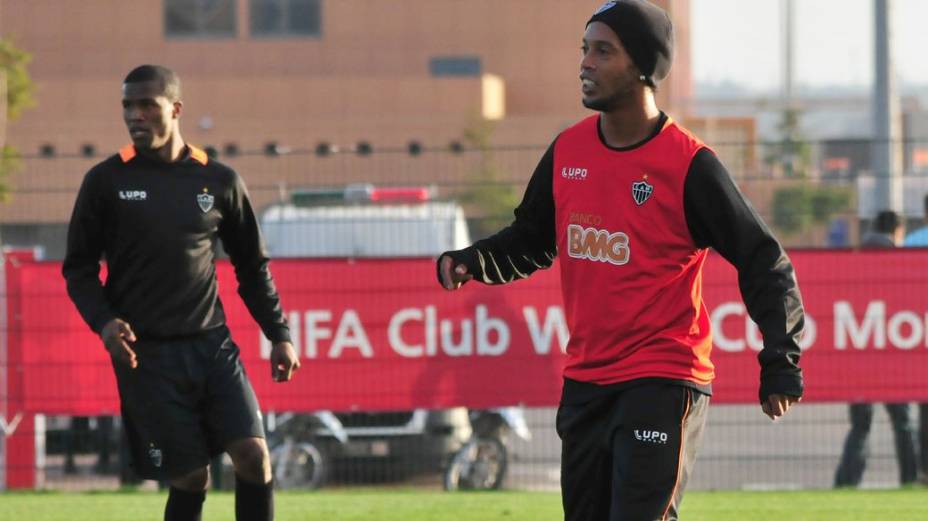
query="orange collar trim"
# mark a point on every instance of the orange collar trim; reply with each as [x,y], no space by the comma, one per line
[127,152]
[198,155]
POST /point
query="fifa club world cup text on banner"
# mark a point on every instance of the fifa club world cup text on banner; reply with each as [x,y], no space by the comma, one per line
[381,335]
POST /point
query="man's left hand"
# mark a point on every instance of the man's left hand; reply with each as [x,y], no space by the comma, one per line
[777,405]
[284,361]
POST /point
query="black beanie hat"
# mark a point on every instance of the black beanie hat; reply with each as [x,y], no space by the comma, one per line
[646,33]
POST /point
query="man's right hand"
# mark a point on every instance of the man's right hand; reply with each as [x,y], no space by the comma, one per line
[452,277]
[116,337]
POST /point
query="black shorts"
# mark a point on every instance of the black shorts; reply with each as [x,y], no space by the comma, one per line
[626,455]
[185,402]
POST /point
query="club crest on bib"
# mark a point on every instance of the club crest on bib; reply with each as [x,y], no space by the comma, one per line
[642,191]
[205,200]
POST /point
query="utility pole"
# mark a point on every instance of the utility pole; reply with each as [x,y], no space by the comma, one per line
[789,127]
[2,108]
[887,131]
[789,22]
[4,392]
[2,100]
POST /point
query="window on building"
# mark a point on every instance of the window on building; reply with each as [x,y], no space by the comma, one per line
[455,66]
[195,18]
[286,18]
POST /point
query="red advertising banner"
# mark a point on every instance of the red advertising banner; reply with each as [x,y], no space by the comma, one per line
[381,334]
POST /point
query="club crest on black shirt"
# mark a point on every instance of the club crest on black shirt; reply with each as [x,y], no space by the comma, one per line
[205,201]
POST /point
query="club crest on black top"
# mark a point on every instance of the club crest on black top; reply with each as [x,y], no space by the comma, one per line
[205,201]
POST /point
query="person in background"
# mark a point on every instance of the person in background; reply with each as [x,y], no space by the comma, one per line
[887,232]
[919,239]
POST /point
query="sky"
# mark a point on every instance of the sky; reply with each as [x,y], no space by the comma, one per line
[740,41]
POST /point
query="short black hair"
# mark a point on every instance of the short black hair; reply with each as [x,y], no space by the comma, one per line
[886,222]
[170,82]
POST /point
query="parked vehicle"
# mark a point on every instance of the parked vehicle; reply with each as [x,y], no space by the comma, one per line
[483,461]
[365,221]
[297,460]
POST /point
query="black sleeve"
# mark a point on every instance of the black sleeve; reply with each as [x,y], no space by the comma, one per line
[720,217]
[526,245]
[241,239]
[81,267]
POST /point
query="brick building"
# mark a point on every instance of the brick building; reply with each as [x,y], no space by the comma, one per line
[289,75]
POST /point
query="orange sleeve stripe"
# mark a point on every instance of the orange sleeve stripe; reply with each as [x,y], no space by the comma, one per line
[126,153]
[198,155]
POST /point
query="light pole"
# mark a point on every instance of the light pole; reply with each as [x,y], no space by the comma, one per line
[886,148]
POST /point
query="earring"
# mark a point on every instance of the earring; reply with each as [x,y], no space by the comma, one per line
[643,78]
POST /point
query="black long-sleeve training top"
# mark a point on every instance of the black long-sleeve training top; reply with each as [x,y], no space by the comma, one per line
[717,216]
[156,225]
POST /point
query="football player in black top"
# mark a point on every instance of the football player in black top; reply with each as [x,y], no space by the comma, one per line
[154,212]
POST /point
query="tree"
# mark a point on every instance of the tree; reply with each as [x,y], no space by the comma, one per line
[16,95]
[492,197]
[797,208]
[793,155]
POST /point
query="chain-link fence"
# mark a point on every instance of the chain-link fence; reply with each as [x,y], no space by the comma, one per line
[418,201]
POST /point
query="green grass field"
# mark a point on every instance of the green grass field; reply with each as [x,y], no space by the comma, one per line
[411,505]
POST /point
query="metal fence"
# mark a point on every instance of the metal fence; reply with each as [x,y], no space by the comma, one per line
[812,194]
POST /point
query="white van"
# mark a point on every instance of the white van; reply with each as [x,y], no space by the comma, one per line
[366,221]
